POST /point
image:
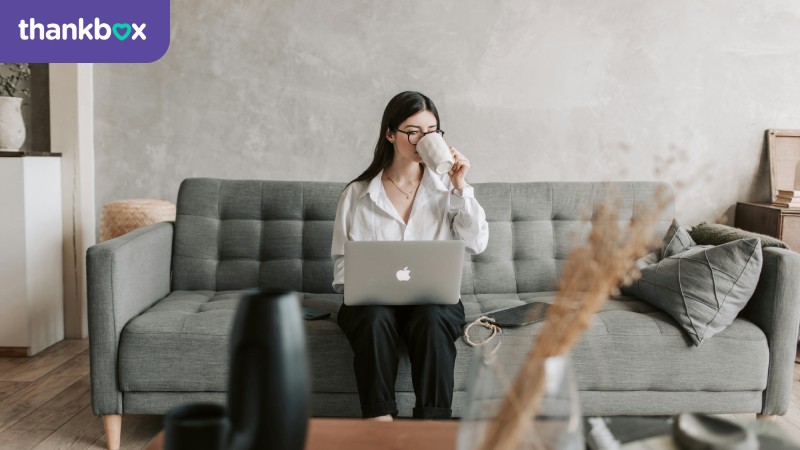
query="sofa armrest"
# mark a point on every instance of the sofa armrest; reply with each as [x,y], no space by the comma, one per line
[775,308]
[125,276]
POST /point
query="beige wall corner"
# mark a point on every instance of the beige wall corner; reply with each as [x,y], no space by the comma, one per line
[72,134]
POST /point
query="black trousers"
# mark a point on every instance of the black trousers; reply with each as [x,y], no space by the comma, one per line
[429,331]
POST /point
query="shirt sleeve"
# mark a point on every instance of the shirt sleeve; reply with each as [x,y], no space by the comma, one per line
[468,220]
[341,226]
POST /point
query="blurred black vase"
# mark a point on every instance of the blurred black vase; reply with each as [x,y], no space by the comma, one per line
[269,383]
[196,426]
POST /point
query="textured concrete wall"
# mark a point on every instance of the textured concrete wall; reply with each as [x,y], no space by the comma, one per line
[529,90]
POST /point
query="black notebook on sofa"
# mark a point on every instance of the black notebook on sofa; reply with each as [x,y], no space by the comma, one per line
[520,315]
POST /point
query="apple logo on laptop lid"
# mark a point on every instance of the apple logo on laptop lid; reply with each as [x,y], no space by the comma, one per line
[404,274]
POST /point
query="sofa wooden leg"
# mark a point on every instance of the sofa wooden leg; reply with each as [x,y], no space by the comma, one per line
[112,425]
[771,417]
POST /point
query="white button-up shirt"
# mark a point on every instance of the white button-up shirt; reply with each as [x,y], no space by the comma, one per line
[365,213]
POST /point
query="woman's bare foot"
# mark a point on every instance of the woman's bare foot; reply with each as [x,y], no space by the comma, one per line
[386,418]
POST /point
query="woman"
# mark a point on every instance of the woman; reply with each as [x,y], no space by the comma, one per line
[398,198]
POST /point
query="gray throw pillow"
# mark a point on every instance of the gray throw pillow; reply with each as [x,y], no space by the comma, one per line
[677,240]
[702,287]
[716,234]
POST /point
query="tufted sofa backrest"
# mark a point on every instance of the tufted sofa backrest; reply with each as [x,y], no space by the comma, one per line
[239,234]
[232,234]
[533,227]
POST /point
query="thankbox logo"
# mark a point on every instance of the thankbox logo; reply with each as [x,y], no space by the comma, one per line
[84,31]
[31,30]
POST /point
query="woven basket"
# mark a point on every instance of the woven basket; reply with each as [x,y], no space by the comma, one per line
[122,216]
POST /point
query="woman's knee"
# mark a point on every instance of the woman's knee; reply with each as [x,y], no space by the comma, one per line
[429,318]
[432,319]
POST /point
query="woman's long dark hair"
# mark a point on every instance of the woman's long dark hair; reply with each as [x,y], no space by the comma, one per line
[400,108]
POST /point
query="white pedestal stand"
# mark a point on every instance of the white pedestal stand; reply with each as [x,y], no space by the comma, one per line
[31,285]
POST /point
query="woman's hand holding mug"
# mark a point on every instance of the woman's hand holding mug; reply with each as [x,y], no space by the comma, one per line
[458,174]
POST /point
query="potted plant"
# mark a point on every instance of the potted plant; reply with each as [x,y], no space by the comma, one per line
[12,127]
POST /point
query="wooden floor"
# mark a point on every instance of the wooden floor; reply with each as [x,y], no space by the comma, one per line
[45,404]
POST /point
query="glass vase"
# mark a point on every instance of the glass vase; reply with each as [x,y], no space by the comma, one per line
[555,425]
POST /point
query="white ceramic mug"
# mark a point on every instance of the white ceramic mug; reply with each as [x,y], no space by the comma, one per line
[435,153]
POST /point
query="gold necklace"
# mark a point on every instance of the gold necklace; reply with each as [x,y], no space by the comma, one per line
[408,195]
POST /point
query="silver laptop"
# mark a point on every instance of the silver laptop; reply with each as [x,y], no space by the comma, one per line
[402,272]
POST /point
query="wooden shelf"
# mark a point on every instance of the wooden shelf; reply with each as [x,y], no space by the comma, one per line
[764,218]
[23,154]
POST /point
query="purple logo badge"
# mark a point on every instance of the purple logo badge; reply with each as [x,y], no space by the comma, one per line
[84,31]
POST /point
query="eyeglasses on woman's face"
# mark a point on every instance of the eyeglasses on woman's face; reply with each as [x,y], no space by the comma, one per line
[415,136]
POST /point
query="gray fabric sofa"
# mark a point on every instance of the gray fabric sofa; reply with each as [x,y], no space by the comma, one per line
[162,299]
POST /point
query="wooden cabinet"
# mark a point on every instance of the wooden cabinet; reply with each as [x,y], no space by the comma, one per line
[782,223]
[31,286]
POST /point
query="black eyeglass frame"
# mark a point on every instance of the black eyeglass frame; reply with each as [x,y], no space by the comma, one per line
[408,134]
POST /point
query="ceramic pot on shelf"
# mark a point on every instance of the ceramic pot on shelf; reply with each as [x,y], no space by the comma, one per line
[12,127]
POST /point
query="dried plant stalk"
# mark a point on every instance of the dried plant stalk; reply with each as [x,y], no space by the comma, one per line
[592,272]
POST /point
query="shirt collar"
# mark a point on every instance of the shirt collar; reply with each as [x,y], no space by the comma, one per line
[374,187]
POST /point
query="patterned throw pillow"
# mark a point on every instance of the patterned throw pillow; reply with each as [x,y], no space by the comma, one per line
[676,240]
[702,287]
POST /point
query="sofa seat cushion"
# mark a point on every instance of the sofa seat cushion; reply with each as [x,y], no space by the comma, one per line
[633,346]
[181,344]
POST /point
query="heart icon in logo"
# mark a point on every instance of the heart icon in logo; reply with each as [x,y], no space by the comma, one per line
[121,26]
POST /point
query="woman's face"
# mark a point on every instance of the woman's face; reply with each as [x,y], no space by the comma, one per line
[421,122]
